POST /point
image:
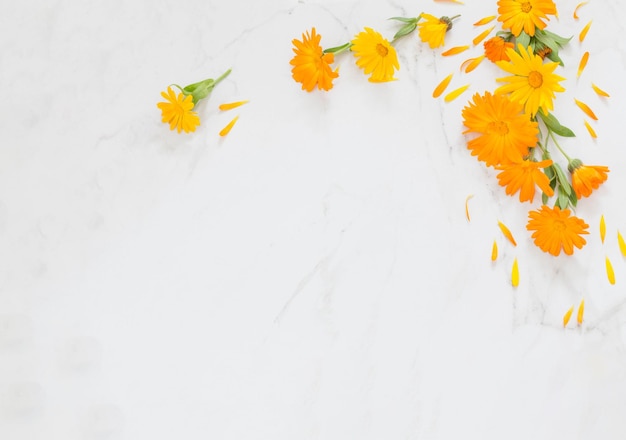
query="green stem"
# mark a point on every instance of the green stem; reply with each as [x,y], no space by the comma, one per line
[569,159]
[224,75]
[338,49]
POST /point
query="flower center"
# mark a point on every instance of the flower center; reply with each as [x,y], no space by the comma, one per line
[559,225]
[526,7]
[382,50]
[535,79]
[498,127]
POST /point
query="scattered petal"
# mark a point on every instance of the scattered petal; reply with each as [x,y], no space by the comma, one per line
[515,274]
[229,126]
[583,63]
[622,244]
[467,207]
[454,50]
[567,316]
[472,63]
[576,9]
[442,86]
[231,105]
[599,91]
[485,20]
[480,37]
[456,93]
[507,233]
[602,228]
[590,129]
[584,107]
[581,312]
[494,251]
[583,33]
[609,271]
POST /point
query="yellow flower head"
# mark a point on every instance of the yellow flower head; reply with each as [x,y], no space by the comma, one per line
[432,30]
[495,49]
[375,55]
[556,230]
[311,64]
[177,111]
[524,176]
[586,178]
[533,83]
[505,132]
[525,15]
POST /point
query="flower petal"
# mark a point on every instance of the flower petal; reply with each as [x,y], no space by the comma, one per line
[609,271]
[507,233]
[583,33]
[590,129]
[567,316]
[229,126]
[442,86]
[581,312]
[584,107]
[232,105]
[456,93]
[480,37]
[583,63]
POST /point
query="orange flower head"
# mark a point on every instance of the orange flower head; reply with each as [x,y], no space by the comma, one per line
[495,49]
[556,230]
[586,178]
[311,66]
[524,176]
[177,110]
[525,15]
[504,132]
[432,30]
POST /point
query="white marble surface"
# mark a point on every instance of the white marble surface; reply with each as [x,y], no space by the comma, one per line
[310,276]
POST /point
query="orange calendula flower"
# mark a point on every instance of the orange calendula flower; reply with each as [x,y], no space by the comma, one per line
[375,55]
[586,178]
[556,230]
[177,111]
[432,30]
[520,15]
[524,176]
[505,132]
[311,66]
[533,83]
[495,49]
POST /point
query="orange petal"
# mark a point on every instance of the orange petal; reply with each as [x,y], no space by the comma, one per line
[442,86]
[480,37]
[567,316]
[507,233]
[576,9]
[456,93]
[584,107]
[515,274]
[622,244]
[583,63]
[467,207]
[228,127]
[472,63]
[590,129]
[485,20]
[494,251]
[454,50]
[609,271]
[581,312]
[602,228]
[231,105]
[583,33]
[599,91]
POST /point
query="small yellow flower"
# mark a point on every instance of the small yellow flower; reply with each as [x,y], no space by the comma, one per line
[586,178]
[311,66]
[177,111]
[556,230]
[375,55]
[432,30]
[521,15]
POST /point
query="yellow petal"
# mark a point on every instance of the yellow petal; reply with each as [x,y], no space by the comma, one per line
[567,316]
[602,228]
[454,50]
[515,274]
[231,105]
[472,63]
[442,86]
[485,20]
[467,207]
[229,126]
[507,233]
[591,131]
[609,271]
[583,63]
[583,33]
[622,243]
[576,9]
[494,251]
[599,91]
[584,107]
[581,312]
[480,37]
[456,93]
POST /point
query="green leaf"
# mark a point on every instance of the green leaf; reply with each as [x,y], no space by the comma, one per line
[405,30]
[562,178]
[554,125]
[406,20]
[544,198]
[573,200]
[562,200]
[561,41]
[524,39]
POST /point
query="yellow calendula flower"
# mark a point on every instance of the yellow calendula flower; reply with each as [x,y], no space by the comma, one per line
[432,30]
[311,66]
[375,55]
[177,110]
[525,15]
[586,178]
[532,83]
[556,230]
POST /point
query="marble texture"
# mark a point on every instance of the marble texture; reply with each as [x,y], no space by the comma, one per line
[310,276]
